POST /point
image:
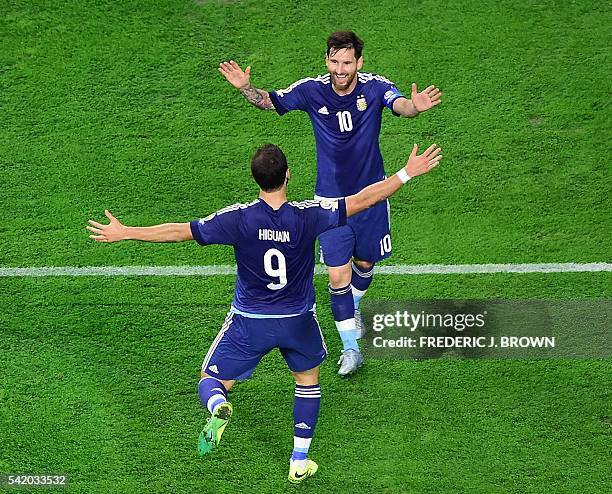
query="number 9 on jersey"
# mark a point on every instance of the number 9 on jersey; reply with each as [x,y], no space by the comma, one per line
[279,272]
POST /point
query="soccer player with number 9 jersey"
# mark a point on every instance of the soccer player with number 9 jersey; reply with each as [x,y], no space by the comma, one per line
[345,108]
[274,299]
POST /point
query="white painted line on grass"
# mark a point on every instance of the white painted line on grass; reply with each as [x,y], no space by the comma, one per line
[495,268]
[401,269]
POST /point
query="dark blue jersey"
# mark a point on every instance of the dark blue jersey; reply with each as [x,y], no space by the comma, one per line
[274,251]
[346,129]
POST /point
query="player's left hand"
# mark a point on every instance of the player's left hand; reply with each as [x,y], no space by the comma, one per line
[426,99]
[113,232]
[423,163]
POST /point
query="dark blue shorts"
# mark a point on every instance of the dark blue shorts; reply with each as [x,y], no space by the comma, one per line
[367,236]
[243,341]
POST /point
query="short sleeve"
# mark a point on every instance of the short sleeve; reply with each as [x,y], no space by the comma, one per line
[221,228]
[292,98]
[327,214]
[389,93]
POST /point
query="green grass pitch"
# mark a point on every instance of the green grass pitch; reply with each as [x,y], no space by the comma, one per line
[119,105]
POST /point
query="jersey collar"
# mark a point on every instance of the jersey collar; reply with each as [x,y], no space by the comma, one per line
[270,208]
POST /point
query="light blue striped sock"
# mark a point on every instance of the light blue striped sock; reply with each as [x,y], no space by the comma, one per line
[343,309]
[306,406]
[212,393]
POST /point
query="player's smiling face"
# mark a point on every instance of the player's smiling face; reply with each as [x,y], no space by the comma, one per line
[343,66]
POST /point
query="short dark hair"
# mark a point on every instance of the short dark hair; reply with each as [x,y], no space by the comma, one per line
[269,167]
[344,39]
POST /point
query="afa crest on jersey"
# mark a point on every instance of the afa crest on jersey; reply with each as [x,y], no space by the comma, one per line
[361,103]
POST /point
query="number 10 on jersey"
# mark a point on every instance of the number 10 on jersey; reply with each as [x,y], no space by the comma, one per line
[345,121]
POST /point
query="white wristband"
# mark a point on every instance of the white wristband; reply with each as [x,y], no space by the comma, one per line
[403,175]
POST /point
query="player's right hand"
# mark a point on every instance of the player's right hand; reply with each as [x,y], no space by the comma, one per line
[235,75]
[422,163]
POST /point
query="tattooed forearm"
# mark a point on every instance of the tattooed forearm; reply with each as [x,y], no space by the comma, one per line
[257,97]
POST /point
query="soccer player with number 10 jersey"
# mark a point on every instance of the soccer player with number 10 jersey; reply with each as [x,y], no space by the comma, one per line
[345,107]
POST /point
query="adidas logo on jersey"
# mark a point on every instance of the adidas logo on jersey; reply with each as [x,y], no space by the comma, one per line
[213,368]
[302,425]
[323,110]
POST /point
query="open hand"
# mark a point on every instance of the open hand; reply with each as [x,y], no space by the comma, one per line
[422,163]
[235,75]
[426,99]
[113,232]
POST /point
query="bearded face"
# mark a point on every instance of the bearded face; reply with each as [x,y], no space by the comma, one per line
[342,67]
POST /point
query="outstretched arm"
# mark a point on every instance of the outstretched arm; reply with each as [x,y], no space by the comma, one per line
[115,231]
[372,194]
[241,80]
[419,102]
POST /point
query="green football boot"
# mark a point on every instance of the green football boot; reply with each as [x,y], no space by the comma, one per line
[211,434]
[296,477]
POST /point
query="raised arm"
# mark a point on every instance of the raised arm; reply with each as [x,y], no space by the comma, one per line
[241,80]
[115,231]
[372,194]
[418,102]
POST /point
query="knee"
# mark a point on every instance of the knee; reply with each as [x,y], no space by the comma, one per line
[307,378]
[363,265]
[340,276]
[227,384]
